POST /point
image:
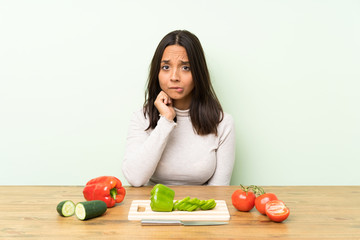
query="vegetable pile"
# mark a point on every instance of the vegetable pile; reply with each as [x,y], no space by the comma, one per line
[245,198]
[104,192]
[162,200]
[101,193]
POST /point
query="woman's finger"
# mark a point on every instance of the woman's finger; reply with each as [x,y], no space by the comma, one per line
[168,101]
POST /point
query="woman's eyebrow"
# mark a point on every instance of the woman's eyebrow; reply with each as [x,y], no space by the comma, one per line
[182,62]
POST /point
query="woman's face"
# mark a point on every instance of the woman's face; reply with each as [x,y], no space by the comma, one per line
[175,76]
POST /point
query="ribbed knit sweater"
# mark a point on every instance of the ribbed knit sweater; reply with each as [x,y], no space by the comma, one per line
[173,154]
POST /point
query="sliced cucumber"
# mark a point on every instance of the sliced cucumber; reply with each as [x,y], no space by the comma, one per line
[66,208]
[90,209]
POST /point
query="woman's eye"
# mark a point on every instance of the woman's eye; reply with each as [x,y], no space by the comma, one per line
[186,68]
[165,67]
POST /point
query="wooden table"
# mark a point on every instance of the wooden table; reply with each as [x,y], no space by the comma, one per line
[317,212]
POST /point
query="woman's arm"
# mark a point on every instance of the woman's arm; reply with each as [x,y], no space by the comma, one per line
[225,155]
[143,150]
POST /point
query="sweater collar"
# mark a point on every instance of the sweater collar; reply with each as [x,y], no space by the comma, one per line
[182,113]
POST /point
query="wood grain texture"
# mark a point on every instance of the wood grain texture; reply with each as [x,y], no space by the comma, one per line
[317,212]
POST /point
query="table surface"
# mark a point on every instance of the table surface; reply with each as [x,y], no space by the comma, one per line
[317,212]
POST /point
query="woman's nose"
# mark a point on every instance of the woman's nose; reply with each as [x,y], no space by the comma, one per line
[174,75]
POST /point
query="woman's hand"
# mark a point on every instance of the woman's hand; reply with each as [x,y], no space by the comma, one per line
[164,105]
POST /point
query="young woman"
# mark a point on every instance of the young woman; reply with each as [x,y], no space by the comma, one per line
[181,136]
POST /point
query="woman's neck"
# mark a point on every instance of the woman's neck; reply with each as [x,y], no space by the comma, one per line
[182,104]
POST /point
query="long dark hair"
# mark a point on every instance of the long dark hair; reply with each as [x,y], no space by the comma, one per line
[205,109]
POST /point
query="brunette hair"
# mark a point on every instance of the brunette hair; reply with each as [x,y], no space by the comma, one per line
[205,109]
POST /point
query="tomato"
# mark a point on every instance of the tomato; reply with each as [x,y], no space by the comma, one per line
[261,201]
[276,210]
[243,200]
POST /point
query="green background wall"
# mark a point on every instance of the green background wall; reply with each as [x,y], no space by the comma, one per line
[72,73]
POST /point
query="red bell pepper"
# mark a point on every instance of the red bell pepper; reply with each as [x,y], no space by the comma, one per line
[106,188]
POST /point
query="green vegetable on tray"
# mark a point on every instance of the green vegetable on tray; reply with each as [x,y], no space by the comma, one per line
[162,200]
[188,204]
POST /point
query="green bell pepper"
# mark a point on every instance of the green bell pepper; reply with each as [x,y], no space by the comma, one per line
[162,198]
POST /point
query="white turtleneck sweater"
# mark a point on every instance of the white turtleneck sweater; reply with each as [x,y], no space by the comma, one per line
[173,154]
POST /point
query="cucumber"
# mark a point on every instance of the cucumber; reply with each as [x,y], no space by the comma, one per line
[66,208]
[90,209]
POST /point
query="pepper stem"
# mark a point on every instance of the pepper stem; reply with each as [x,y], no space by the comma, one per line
[113,193]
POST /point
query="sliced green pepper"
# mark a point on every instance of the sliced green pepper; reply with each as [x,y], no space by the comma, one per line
[162,198]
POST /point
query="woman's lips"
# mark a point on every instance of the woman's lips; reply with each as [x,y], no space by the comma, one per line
[177,89]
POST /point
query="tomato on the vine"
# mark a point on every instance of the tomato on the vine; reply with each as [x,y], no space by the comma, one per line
[277,211]
[262,199]
[243,199]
